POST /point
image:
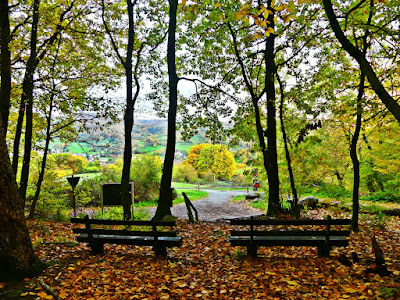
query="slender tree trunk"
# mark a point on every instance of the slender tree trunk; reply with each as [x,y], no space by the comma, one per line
[128,125]
[354,158]
[5,66]
[365,66]
[17,137]
[295,201]
[44,159]
[271,165]
[165,198]
[128,118]
[27,97]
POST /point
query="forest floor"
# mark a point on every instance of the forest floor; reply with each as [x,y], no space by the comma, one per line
[207,267]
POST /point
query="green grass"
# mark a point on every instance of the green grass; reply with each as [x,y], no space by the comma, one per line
[117,213]
[231,189]
[238,198]
[149,149]
[192,195]
[87,175]
[79,148]
[178,185]
[184,146]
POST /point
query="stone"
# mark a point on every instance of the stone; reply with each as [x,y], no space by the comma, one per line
[251,196]
[309,201]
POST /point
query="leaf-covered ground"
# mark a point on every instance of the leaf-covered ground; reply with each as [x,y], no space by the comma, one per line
[207,267]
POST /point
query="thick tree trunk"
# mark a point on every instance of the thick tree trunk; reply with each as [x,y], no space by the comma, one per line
[165,198]
[5,66]
[271,164]
[17,258]
[365,66]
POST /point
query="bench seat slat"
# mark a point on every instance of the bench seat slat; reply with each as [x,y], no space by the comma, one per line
[131,240]
[287,240]
[289,233]
[124,232]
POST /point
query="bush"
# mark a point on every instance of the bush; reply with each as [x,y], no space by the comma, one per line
[184,172]
[146,176]
[382,196]
[88,191]
[117,213]
[324,190]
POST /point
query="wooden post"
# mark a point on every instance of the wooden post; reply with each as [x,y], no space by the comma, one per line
[189,207]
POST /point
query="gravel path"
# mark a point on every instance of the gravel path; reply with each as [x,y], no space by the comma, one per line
[216,207]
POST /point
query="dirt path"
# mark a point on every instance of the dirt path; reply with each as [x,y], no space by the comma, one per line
[216,207]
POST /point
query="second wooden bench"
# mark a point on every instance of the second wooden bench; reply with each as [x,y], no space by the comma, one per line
[287,236]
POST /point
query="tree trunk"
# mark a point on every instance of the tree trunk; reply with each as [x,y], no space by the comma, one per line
[27,98]
[165,198]
[271,164]
[17,258]
[295,201]
[128,125]
[17,137]
[5,66]
[365,66]
[44,159]
[128,119]
[354,158]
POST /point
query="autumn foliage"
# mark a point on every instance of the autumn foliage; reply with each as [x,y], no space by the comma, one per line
[206,267]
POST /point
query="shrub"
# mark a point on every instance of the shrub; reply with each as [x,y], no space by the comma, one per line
[382,196]
[184,172]
[146,176]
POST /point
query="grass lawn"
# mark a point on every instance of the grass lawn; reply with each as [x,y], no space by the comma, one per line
[192,194]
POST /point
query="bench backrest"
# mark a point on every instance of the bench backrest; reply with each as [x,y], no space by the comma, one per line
[296,222]
[152,224]
[327,232]
[121,222]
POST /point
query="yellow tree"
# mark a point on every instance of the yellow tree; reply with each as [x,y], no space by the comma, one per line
[217,159]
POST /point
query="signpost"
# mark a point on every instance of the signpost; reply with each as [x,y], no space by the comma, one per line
[256,183]
[73,181]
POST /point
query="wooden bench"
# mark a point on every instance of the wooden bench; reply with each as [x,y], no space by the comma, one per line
[288,236]
[144,233]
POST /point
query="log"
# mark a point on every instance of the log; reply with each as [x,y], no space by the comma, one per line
[392,212]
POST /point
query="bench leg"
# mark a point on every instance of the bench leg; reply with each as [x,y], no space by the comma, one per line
[252,251]
[160,250]
[324,251]
[97,248]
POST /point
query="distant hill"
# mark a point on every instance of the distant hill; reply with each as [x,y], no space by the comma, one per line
[149,136]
